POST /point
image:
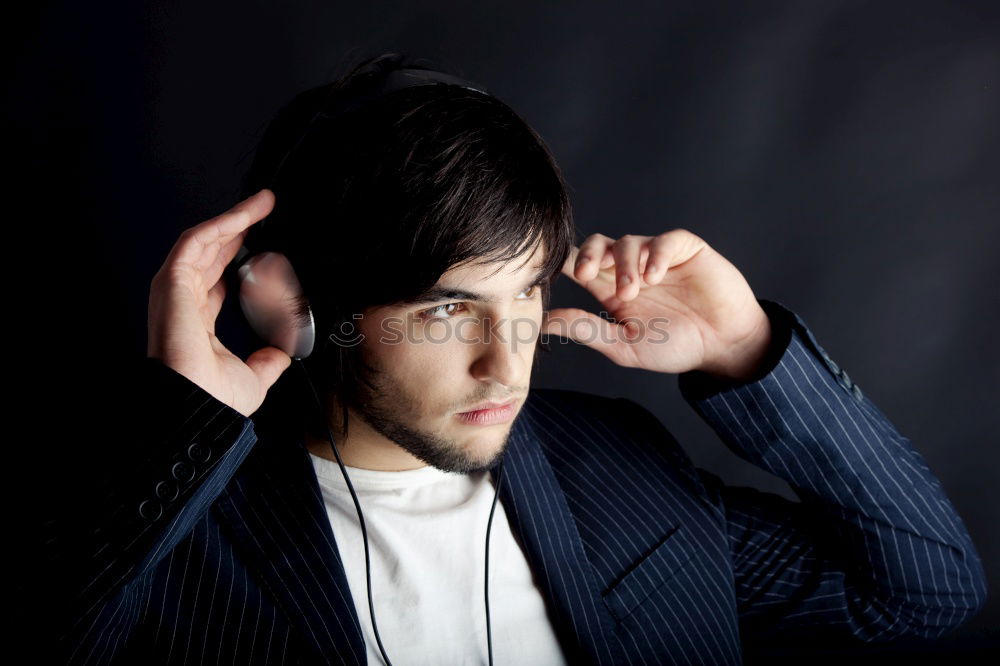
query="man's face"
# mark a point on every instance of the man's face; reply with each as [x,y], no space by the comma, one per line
[438,358]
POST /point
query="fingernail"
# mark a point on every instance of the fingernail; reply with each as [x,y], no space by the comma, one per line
[651,269]
[581,259]
[624,280]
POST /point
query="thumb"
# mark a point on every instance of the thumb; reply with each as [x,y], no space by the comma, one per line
[268,364]
[588,329]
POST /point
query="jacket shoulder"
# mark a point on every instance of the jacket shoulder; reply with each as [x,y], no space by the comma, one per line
[581,419]
[552,398]
[616,444]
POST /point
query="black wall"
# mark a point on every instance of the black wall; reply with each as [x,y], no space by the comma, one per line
[843,155]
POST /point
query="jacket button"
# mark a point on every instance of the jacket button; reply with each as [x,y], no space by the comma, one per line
[166,491]
[857,392]
[150,510]
[182,471]
[847,383]
[199,452]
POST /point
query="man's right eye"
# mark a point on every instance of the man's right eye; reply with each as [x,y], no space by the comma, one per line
[430,313]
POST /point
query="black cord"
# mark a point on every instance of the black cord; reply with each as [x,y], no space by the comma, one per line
[364,532]
[357,505]
[489,525]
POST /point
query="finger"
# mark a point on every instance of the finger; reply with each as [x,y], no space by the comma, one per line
[199,245]
[591,258]
[574,256]
[226,242]
[627,251]
[595,259]
[659,259]
[670,249]
[268,364]
[214,272]
[586,328]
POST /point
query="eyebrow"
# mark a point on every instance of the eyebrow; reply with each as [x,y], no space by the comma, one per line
[438,294]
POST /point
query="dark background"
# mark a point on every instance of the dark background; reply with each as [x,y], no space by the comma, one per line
[843,155]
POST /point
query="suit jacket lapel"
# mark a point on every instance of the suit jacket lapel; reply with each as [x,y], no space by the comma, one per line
[274,511]
[540,517]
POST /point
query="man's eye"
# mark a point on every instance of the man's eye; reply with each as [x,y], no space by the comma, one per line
[433,313]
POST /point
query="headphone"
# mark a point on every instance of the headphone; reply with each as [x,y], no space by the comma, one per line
[274,304]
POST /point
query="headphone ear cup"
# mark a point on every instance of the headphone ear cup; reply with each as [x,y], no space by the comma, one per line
[275,305]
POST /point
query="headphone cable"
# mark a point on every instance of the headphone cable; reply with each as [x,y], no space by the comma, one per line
[364,532]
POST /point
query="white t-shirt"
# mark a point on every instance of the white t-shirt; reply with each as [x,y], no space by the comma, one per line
[427,541]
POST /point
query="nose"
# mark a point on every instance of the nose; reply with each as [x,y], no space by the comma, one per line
[499,357]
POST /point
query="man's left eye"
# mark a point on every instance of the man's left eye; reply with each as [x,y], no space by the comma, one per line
[533,289]
[430,314]
[433,312]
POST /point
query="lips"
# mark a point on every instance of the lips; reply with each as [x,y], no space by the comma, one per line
[489,414]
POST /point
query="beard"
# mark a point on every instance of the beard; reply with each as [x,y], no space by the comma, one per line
[383,407]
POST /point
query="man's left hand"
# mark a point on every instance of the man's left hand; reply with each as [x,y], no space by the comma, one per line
[713,320]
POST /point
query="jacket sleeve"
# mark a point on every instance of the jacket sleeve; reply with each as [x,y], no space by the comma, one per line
[874,550]
[192,447]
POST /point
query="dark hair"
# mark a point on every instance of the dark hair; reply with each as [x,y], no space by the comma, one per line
[374,206]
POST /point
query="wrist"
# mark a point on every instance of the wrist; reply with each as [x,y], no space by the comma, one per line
[745,360]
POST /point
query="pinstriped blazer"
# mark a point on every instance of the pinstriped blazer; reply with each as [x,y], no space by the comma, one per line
[218,549]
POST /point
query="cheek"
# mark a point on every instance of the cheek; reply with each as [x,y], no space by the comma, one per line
[424,364]
[429,375]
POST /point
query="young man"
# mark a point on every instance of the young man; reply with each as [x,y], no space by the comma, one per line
[435,222]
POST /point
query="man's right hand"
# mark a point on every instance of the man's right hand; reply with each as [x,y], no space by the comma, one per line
[185,297]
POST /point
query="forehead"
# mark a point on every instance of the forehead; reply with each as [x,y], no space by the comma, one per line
[485,282]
